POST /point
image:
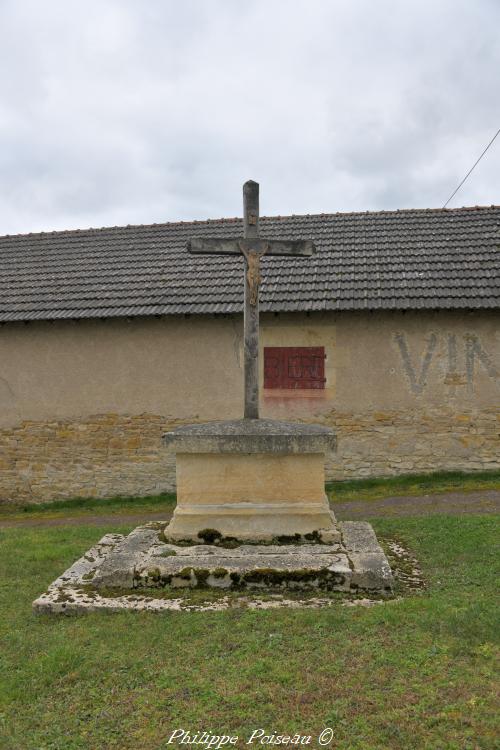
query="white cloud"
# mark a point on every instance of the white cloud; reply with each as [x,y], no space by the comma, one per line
[116,112]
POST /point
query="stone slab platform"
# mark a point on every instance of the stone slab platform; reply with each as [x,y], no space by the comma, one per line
[270,436]
[120,571]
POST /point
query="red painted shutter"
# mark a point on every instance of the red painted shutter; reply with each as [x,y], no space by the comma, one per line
[294,367]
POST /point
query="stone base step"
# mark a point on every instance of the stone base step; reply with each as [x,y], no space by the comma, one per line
[143,561]
[264,521]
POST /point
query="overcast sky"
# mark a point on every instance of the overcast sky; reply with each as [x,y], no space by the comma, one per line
[125,112]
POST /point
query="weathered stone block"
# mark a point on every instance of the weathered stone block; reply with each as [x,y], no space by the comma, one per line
[358,536]
[251,479]
[370,571]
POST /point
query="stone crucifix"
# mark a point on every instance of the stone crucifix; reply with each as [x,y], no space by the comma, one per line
[252,248]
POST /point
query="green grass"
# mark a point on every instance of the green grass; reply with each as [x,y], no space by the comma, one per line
[77,506]
[415,674]
[413,484]
[92,503]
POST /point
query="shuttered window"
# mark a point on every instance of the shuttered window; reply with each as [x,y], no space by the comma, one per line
[294,367]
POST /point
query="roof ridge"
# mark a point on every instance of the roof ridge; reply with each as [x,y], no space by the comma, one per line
[235,219]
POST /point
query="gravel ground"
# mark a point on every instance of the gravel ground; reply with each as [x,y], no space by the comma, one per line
[484,501]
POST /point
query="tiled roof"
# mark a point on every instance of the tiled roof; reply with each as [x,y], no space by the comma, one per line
[386,260]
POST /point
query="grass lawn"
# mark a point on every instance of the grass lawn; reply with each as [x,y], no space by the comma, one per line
[416,673]
[82,506]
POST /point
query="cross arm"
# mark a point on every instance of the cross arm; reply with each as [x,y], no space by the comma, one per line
[218,246]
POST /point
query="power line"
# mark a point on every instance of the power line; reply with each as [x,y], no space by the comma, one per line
[471,169]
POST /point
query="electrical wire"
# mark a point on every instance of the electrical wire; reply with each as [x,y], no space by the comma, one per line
[471,169]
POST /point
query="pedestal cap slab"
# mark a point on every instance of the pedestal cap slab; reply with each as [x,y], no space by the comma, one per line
[251,436]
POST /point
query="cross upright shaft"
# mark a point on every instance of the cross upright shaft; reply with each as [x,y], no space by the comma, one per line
[251,311]
[252,248]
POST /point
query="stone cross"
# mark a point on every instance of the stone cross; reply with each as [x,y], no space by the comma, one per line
[252,249]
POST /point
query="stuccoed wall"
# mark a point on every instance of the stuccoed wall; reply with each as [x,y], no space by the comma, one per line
[83,404]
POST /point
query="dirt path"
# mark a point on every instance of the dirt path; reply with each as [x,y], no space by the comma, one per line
[486,501]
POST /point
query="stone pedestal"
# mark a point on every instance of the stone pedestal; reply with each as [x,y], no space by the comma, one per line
[253,480]
[120,572]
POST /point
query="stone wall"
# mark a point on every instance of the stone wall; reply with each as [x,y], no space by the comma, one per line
[101,456]
[407,392]
[109,454]
[412,442]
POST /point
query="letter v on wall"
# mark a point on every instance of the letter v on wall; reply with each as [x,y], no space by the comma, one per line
[417,382]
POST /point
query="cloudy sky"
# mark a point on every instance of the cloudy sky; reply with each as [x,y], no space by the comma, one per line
[122,111]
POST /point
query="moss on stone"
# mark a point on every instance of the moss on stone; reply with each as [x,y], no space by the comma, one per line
[201,576]
[288,539]
[219,572]
[313,536]
[321,579]
[217,539]
[210,536]
[64,596]
[153,574]
[186,573]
